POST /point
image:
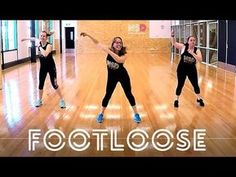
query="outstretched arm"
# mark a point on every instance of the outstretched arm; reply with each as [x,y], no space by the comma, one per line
[32,39]
[117,58]
[29,39]
[92,38]
[176,44]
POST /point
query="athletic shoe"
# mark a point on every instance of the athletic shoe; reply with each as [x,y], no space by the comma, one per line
[62,104]
[38,103]
[176,104]
[201,103]
[137,118]
[100,118]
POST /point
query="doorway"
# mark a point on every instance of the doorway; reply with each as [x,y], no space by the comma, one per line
[70,36]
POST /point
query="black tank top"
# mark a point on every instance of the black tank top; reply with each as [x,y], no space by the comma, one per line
[48,60]
[186,58]
[112,65]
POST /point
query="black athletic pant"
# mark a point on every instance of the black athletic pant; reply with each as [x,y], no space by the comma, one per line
[113,78]
[52,73]
[192,75]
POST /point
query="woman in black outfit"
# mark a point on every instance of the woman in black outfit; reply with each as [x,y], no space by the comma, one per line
[47,65]
[187,67]
[116,73]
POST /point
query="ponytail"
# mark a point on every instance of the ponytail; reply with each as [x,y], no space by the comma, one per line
[48,34]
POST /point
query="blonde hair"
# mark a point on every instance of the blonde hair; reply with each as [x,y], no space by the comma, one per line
[48,34]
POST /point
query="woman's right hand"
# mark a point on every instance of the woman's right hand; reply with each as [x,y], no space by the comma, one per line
[172,34]
[85,34]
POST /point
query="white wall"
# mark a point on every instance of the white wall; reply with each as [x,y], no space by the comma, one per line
[23,32]
[56,28]
[159,28]
[10,56]
[23,47]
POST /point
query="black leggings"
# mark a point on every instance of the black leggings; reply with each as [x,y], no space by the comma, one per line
[192,75]
[113,78]
[53,76]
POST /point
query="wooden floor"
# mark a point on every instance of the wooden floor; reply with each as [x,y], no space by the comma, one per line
[82,78]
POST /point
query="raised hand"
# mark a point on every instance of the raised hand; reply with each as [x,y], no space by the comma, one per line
[83,34]
[172,34]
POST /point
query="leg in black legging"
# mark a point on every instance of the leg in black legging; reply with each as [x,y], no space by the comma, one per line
[194,80]
[181,76]
[42,77]
[111,85]
[53,77]
[126,85]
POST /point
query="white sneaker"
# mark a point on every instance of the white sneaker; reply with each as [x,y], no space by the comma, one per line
[62,104]
[38,103]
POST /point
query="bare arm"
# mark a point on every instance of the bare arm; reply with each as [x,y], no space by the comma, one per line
[176,44]
[117,58]
[47,51]
[29,39]
[32,39]
[92,38]
[197,55]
